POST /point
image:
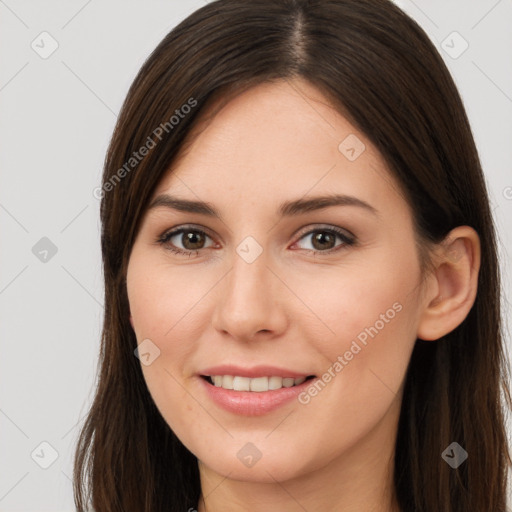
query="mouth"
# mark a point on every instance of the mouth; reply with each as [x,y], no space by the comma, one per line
[257,384]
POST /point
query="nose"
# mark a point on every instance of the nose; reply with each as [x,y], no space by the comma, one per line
[250,301]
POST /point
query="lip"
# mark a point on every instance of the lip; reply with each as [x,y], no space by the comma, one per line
[253,372]
[251,403]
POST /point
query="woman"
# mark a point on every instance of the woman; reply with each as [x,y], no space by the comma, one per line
[301,282]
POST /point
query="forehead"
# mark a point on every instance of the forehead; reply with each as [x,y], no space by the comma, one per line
[278,141]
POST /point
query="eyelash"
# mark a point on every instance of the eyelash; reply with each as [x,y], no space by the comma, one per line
[165,237]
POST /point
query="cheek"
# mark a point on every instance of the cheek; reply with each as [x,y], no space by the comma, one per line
[162,298]
[161,305]
[370,312]
[363,302]
[168,307]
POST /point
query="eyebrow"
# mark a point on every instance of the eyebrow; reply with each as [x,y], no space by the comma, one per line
[286,209]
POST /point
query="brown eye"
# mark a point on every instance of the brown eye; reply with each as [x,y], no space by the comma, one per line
[192,239]
[324,240]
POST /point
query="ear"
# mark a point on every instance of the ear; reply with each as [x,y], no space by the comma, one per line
[453,286]
[131,322]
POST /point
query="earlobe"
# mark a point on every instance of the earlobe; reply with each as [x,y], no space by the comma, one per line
[456,283]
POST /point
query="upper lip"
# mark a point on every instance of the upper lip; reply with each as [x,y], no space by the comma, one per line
[252,372]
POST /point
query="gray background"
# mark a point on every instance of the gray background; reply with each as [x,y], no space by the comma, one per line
[58,114]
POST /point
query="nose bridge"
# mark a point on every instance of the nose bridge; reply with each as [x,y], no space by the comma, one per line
[248,282]
[249,276]
[248,301]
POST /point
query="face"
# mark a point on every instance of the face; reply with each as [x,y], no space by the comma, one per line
[265,296]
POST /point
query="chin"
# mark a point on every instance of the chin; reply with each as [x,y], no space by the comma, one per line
[269,468]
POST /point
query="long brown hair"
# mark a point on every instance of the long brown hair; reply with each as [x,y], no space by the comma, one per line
[380,70]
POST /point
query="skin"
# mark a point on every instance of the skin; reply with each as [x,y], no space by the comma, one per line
[291,308]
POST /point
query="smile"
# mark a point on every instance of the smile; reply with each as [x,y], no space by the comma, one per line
[253,396]
[258,384]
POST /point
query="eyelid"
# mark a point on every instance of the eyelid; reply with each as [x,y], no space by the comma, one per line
[327,227]
[183,227]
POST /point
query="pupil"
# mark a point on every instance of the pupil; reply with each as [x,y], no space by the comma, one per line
[190,238]
[322,236]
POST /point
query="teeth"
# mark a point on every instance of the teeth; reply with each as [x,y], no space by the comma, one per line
[239,383]
[275,382]
[226,381]
[257,384]
[288,383]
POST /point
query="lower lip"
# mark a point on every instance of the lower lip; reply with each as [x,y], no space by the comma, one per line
[253,403]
